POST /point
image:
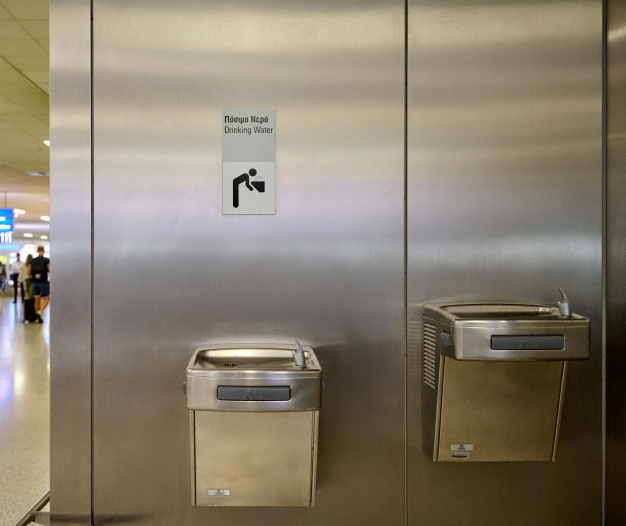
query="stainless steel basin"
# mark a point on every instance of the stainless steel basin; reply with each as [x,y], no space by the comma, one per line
[253,378]
[502,312]
[509,332]
[251,359]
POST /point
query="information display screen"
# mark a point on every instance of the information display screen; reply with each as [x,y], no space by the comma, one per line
[6,220]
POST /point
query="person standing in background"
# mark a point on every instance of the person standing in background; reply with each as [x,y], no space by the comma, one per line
[3,277]
[38,271]
[24,278]
[30,315]
[15,272]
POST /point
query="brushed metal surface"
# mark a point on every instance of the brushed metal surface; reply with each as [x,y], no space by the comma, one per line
[471,328]
[315,445]
[192,454]
[171,272]
[505,204]
[263,459]
[560,413]
[506,410]
[212,368]
[616,262]
[70,306]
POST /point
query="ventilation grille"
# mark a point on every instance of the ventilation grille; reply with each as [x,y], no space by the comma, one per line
[414,336]
[429,355]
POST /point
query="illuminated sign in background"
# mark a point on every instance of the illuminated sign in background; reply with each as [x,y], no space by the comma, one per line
[6,225]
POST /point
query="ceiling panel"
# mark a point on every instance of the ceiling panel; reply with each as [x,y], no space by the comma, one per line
[13,30]
[24,113]
[5,67]
[22,90]
[8,107]
[39,29]
[10,73]
[27,9]
[26,97]
[20,119]
[31,63]
[41,78]
[39,133]
[21,48]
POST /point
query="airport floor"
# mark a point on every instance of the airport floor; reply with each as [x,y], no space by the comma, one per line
[24,411]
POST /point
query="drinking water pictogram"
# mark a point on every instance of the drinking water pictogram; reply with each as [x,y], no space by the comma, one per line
[250,185]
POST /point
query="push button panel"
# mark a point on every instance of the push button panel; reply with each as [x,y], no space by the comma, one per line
[248,393]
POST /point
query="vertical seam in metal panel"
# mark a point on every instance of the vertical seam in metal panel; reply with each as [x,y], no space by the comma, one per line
[406,320]
[92,261]
[604,239]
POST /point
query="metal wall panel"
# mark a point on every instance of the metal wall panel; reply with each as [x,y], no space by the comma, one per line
[505,204]
[70,209]
[171,272]
[616,262]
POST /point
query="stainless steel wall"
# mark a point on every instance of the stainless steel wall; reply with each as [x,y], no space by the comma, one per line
[616,262]
[505,204]
[171,272]
[70,309]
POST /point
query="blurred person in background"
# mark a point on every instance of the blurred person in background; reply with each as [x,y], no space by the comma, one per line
[24,279]
[15,272]
[3,277]
[38,272]
[30,315]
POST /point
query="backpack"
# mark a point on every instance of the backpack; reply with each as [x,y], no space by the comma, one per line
[38,268]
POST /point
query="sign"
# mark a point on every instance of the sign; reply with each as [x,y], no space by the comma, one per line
[248,162]
[6,225]
[218,493]
[461,447]
[6,220]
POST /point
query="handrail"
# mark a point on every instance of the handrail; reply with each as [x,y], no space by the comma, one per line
[27,518]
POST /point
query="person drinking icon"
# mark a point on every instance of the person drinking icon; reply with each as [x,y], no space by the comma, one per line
[245,178]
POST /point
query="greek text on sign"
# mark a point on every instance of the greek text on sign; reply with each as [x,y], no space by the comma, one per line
[248,162]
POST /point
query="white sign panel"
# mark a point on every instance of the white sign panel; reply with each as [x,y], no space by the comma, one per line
[248,162]
[461,447]
[218,493]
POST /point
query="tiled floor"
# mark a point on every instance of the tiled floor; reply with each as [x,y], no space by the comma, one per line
[24,412]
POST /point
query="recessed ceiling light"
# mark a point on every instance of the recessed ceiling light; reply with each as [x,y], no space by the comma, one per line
[28,235]
[45,218]
[39,174]
[43,237]
[18,211]
[47,143]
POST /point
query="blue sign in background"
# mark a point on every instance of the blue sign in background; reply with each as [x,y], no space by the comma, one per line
[6,220]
